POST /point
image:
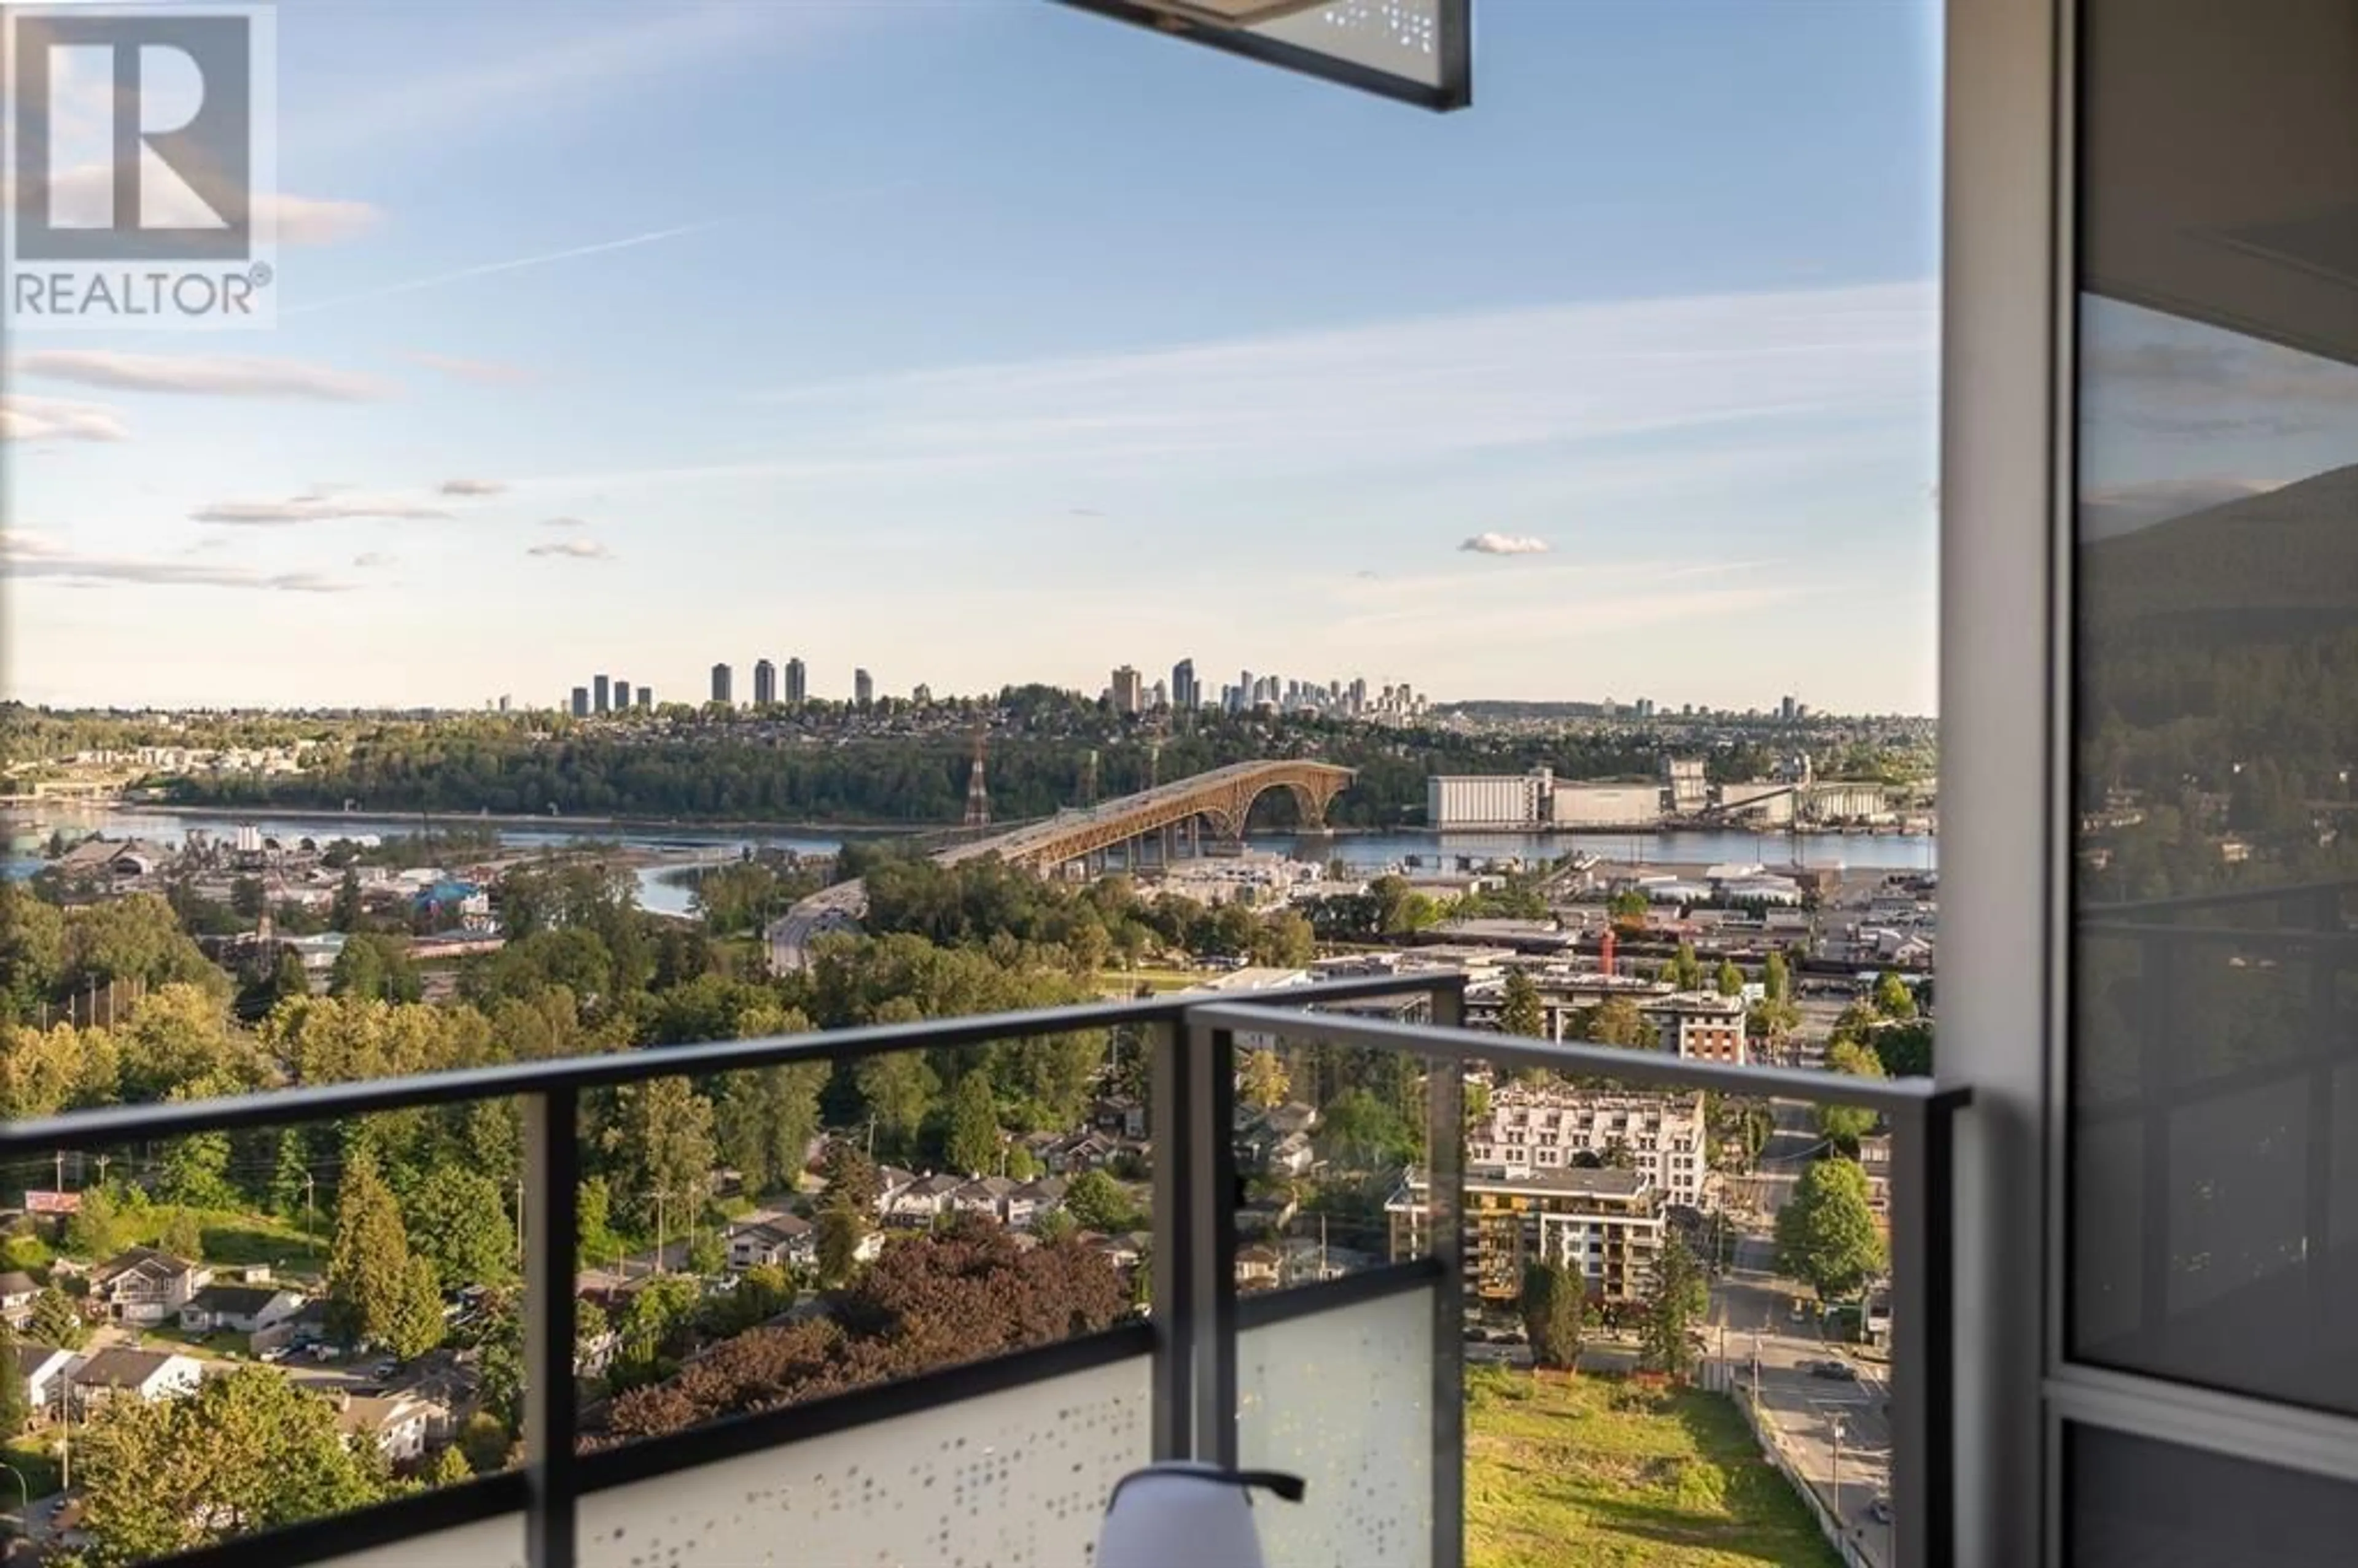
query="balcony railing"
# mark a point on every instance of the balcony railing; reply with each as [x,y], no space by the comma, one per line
[1356,1382]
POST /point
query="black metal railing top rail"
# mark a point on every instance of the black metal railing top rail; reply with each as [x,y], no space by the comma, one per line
[1192,1337]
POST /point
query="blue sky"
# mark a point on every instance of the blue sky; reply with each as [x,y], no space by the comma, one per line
[982,342]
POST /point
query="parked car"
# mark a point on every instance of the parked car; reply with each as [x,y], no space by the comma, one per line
[1879,1510]
[1840,1371]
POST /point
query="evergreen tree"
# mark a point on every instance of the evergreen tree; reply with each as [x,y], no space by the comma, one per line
[55,1321]
[1675,1303]
[15,1404]
[1730,980]
[344,914]
[369,1275]
[290,1185]
[973,1144]
[91,1229]
[1685,970]
[1552,1303]
[841,1228]
[1519,1010]
[182,1236]
[1262,1082]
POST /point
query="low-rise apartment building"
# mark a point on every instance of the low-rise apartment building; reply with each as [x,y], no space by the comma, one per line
[1606,1225]
[1702,1024]
[1541,1128]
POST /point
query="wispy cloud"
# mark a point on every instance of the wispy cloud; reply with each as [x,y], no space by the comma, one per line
[482,373]
[1506,545]
[203,375]
[487,269]
[368,560]
[473,486]
[317,506]
[32,556]
[25,418]
[573,549]
[563,523]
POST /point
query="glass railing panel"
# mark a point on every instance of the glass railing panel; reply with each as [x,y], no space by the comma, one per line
[1344,1398]
[1021,1476]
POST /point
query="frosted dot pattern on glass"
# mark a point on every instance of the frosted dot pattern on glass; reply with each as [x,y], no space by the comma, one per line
[1400,37]
[1344,1398]
[490,1543]
[1017,1479]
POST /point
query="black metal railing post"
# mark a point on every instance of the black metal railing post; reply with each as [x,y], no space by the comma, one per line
[552,1185]
[1209,1205]
[1923,1334]
[1446,1241]
[1172,1262]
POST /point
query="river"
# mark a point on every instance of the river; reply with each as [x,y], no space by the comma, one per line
[662,891]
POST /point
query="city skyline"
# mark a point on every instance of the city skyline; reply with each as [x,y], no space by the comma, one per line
[1647,421]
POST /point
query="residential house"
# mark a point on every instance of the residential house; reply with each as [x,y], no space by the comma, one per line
[239,1309]
[1034,1201]
[1258,1267]
[307,1326]
[922,1201]
[145,1286]
[775,1239]
[1080,1152]
[400,1425]
[1120,1115]
[17,1290]
[891,1182]
[120,1372]
[42,1369]
[984,1195]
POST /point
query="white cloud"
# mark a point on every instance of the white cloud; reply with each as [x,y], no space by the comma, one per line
[1505,544]
[206,375]
[317,506]
[1378,396]
[563,523]
[25,418]
[573,549]
[27,556]
[482,373]
[473,486]
[369,559]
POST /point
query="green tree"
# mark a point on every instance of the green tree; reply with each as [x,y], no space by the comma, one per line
[1096,1202]
[841,1228]
[1519,1010]
[15,1404]
[1262,1082]
[705,1254]
[486,1443]
[196,1170]
[1552,1303]
[249,1450]
[1675,1303]
[417,1325]
[1361,1133]
[369,1275]
[1685,970]
[1776,978]
[660,1141]
[1629,908]
[289,977]
[449,1467]
[1905,1049]
[344,914]
[181,1236]
[1826,1235]
[55,1321]
[763,1121]
[290,1183]
[1892,997]
[973,1145]
[247,897]
[91,1229]
[1614,1022]
[900,1089]
[1846,1124]
[1730,980]
[458,1222]
[851,1177]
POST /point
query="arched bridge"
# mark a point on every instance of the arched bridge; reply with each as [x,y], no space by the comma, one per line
[1224,797]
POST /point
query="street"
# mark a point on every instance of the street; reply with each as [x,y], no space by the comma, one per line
[1834,1429]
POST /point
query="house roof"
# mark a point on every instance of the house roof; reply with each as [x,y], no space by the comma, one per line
[16,1283]
[141,1260]
[936,1187]
[121,1367]
[1046,1189]
[239,1299]
[991,1187]
[779,1228]
[31,1359]
[891,1178]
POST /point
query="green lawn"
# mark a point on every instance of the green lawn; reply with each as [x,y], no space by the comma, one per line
[1599,1472]
[35,1462]
[233,1239]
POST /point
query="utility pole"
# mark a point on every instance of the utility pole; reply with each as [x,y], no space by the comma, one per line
[310,1236]
[520,1257]
[1835,1420]
[659,1232]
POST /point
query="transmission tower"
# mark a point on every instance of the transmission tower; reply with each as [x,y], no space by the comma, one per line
[977,797]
